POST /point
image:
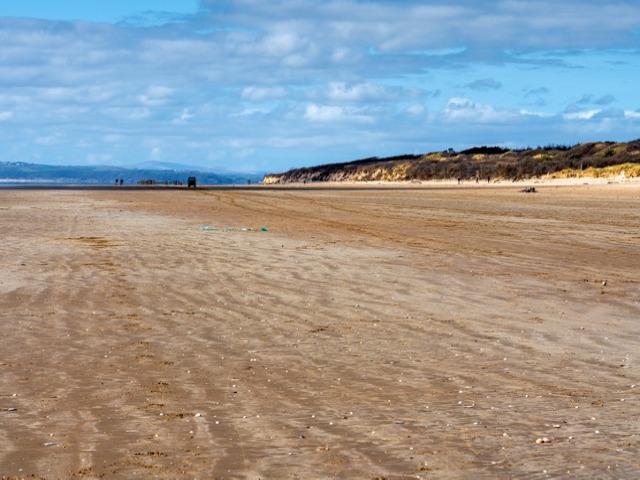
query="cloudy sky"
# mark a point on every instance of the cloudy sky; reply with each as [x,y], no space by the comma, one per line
[267,85]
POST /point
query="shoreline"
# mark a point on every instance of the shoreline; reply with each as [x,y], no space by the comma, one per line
[572,181]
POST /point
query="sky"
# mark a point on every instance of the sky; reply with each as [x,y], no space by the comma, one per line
[269,85]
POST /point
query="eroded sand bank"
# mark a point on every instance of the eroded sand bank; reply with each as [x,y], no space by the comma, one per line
[370,332]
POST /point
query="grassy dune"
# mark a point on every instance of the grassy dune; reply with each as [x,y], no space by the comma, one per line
[601,159]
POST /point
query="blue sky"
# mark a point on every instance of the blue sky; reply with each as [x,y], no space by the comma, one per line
[267,85]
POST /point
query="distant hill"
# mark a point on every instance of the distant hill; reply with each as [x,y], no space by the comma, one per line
[20,172]
[587,159]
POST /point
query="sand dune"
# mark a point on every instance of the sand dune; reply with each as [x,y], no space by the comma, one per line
[370,332]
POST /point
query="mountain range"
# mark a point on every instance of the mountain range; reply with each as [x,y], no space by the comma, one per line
[21,172]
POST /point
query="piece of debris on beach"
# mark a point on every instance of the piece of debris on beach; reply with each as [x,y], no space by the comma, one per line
[232,229]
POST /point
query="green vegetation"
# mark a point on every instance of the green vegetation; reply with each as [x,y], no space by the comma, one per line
[481,163]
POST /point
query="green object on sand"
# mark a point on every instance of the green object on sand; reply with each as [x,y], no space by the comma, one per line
[230,229]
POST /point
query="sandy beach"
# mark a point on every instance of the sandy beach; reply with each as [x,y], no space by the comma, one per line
[360,332]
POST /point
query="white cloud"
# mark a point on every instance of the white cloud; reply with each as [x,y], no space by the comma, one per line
[319,113]
[156,153]
[350,76]
[155,95]
[406,25]
[57,94]
[183,118]
[584,115]
[340,91]
[248,112]
[281,44]
[466,110]
[527,113]
[334,113]
[416,110]
[345,55]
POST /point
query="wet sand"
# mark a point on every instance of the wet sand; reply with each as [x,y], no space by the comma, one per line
[370,332]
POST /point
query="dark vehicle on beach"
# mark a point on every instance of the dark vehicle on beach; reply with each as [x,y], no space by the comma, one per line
[191,182]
